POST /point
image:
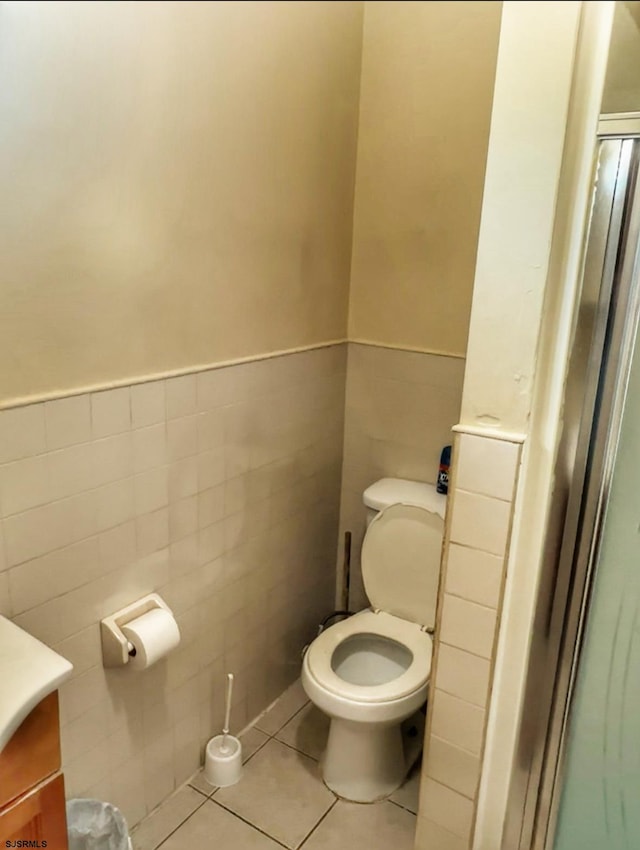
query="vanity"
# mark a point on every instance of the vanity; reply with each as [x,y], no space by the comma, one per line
[32,798]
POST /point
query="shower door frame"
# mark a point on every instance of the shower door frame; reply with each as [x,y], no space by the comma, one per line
[594,399]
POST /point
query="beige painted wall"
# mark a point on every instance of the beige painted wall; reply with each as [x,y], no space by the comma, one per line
[177,183]
[622,83]
[520,196]
[426,91]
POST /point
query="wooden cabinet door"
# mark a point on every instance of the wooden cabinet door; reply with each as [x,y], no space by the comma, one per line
[39,816]
[33,753]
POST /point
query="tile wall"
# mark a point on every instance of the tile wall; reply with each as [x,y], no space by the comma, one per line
[476,548]
[399,410]
[219,490]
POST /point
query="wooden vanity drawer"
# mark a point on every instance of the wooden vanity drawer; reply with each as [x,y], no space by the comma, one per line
[39,816]
[33,753]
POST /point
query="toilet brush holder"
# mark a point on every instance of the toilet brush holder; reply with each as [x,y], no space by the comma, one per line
[223,761]
[223,756]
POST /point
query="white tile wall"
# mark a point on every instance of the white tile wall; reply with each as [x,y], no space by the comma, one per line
[5,599]
[35,582]
[463,675]
[430,834]
[453,767]
[474,575]
[470,597]
[446,807]
[400,408]
[24,484]
[110,412]
[467,626]
[457,721]
[480,522]
[22,432]
[148,404]
[149,447]
[68,421]
[3,558]
[181,396]
[218,490]
[477,474]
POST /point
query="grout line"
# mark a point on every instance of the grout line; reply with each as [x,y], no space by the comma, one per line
[400,806]
[200,791]
[265,712]
[309,834]
[295,714]
[491,608]
[291,716]
[257,750]
[484,495]
[459,698]
[296,750]
[477,705]
[449,787]
[471,546]
[214,788]
[411,349]
[182,822]
[248,822]
[474,601]
[464,649]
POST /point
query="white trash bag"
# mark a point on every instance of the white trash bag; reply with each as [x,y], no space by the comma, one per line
[94,825]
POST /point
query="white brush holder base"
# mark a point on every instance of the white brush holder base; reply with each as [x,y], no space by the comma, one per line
[223,764]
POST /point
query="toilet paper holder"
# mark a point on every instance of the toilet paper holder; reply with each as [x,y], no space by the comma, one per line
[115,646]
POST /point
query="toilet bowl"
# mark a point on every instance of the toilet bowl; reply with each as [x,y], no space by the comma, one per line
[368,674]
[371,672]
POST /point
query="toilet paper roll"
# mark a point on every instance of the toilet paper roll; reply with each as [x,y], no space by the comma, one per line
[153,636]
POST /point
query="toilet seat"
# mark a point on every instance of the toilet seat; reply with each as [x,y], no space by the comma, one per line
[415,677]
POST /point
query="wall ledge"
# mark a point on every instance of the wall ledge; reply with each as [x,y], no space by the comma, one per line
[491,433]
[397,347]
[38,398]
[23,401]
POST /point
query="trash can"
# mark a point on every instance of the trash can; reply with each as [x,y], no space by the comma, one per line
[94,825]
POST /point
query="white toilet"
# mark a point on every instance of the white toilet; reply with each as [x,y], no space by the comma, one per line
[370,673]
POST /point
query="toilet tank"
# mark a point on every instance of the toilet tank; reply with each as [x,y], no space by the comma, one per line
[391,491]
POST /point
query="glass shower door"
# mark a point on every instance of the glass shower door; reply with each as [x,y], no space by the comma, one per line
[600,801]
[599,786]
[580,668]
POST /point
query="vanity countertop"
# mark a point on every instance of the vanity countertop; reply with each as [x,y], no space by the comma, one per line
[29,671]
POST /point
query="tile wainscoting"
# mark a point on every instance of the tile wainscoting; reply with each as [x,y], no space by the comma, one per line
[220,490]
[476,547]
[400,408]
[223,490]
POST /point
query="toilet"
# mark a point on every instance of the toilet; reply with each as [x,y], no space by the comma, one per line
[370,673]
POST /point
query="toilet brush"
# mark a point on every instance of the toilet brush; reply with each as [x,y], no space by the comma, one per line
[227,711]
[223,756]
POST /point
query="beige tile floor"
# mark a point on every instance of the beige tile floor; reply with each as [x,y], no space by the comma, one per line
[280,800]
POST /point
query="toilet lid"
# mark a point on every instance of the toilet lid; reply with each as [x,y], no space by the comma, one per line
[401,562]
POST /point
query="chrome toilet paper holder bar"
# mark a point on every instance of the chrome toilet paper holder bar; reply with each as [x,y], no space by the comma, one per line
[115,646]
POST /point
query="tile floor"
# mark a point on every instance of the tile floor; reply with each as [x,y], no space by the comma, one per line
[281,800]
